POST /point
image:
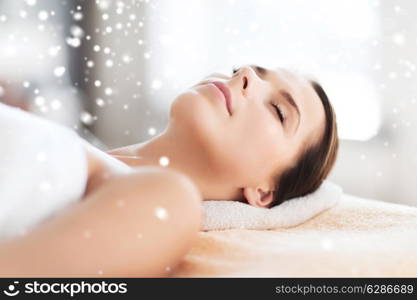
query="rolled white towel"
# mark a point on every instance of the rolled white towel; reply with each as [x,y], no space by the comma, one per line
[218,215]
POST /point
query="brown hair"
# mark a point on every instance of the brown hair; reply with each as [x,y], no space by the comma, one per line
[314,163]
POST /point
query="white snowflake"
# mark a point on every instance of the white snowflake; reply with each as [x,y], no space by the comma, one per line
[108,91]
[156,84]
[164,161]
[23,14]
[103,4]
[43,15]
[59,71]
[78,16]
[39,101]
[100,102]
[151,131]
[56,104]
[31,2]
[161,213]
[86,118]
[126,58]
[73,42]
[77,31]
[53,51]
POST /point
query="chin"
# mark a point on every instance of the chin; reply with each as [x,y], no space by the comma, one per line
[194,115]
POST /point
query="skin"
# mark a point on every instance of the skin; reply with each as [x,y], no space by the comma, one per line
[114,230]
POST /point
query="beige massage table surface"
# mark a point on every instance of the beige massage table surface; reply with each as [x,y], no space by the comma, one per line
[356,238]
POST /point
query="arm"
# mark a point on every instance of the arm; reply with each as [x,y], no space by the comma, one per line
[117,231]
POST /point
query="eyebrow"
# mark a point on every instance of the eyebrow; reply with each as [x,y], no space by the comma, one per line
[262,72]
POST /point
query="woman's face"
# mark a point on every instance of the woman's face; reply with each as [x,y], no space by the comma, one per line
[252,145]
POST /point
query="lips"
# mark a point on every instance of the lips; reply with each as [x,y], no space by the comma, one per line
[227,95]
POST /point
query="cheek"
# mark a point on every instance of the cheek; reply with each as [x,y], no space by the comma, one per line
[252,150]
[265,147]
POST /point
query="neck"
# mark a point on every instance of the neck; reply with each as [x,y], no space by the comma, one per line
[172,152]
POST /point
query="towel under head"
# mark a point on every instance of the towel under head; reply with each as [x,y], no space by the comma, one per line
[232,214]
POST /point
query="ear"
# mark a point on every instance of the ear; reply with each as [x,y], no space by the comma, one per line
[258,197]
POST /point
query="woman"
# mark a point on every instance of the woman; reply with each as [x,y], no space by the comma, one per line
[260,136]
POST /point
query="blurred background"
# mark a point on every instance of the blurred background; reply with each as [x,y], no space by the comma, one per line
[110,69]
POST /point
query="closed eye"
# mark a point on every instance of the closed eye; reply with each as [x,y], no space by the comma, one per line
[280,113]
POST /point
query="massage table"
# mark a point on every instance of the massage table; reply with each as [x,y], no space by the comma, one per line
[358,237]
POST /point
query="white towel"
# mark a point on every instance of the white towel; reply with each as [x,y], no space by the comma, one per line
[218,215]
[43,168]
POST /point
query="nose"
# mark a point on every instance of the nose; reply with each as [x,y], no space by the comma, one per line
[246,77]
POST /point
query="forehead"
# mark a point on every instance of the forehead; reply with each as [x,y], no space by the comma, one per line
[309,103]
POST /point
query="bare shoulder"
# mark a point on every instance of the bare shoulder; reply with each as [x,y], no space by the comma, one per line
[150,179]
[165,176]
